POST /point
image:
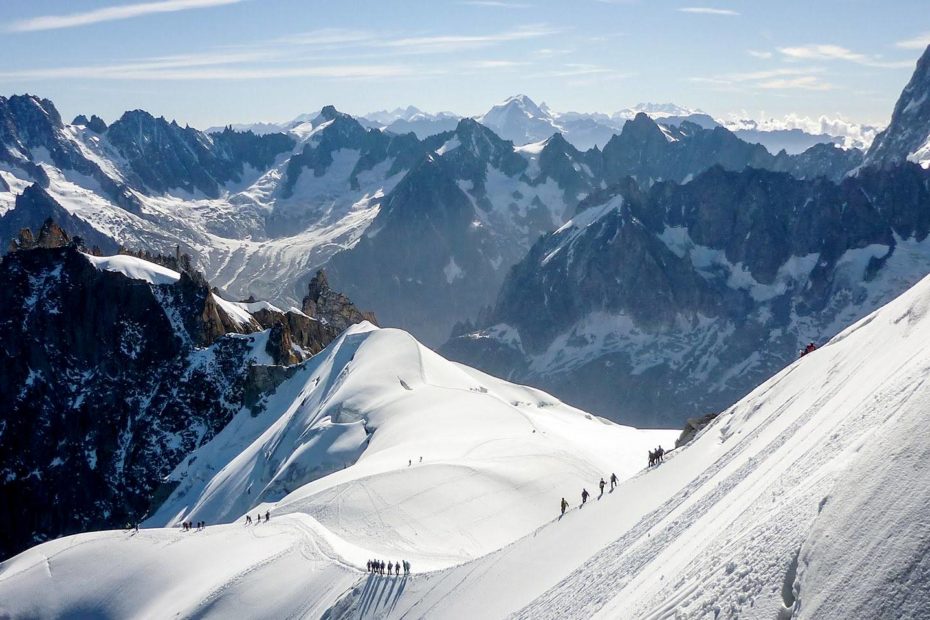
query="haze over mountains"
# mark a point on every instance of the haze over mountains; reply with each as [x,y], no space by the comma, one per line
[520,120]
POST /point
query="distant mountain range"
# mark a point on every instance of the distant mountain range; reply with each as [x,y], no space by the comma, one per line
[520,120]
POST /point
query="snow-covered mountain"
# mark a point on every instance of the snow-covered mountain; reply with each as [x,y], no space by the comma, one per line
[412,119]
[907,137]
[115,367]
[445,237]
[805,499]
[654,305]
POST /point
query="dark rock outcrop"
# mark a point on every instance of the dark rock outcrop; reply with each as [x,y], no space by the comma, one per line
[332,307]
[162,155]
[108,382]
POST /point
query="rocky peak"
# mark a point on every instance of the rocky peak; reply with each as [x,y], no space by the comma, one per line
[332,307]
[907,137]
[51,235]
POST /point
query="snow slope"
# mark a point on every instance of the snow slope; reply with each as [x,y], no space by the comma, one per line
[806,498]
[335,456]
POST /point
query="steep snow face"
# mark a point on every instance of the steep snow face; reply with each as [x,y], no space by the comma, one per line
[378,433]
[804,500]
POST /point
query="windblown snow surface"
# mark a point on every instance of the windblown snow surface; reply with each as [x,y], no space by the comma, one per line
[806,499]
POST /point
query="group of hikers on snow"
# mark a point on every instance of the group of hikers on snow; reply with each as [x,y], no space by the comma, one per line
[258,518]
[585,495]
[655,457]
[810,348]
[189,525]
[378,567]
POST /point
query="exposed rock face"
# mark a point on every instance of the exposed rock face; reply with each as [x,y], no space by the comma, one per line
[693,426]
[907,137]
[163,155]
[28,123]
[109,381]
[331,307]
[657,305]
[33,208]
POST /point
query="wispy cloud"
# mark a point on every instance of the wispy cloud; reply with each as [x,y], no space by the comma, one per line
[916,43]
[759,54]
[802,82]
[455,43]
[324,53]
[707,10]
[143,71]
[111,13]
[786,78]
[496,64]
[821,51]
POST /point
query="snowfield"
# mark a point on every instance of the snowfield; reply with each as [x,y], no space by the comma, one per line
[336,457]
[807,499]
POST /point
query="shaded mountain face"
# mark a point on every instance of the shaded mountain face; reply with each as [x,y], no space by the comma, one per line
[907,137]
[655,305]
[32,135]
[162,155]
[494,200]
[114,369]
[650,152]
[445,237]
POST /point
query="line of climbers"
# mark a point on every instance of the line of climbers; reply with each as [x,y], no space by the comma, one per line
[810,348]
[655,457]
[189,525]
[378,567]
[258,518]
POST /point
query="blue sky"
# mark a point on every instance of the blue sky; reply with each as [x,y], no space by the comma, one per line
[208,62]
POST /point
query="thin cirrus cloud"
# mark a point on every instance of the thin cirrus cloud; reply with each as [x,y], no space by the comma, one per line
[916,43]
[787,78]
[707,10]
[312,51]
[821,51]
[455,43]
[111,13]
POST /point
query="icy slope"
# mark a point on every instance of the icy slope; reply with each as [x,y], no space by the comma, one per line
[809,495]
